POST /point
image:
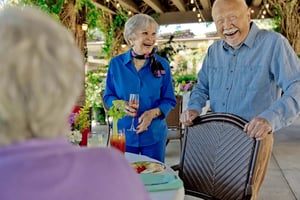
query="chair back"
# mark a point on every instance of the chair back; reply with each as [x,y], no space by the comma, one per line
[173,122]
[103,103]
[173,118]
[108,121]
[218,158]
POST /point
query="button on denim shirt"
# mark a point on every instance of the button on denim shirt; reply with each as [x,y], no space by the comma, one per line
[248,81]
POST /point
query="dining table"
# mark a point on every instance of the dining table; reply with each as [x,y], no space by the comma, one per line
[167,194]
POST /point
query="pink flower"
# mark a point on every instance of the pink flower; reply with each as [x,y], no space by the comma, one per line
[71,120]
[186,86]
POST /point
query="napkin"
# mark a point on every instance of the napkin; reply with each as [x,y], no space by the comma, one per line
[159,182]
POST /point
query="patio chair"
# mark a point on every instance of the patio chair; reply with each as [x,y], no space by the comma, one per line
[175,129]
[218,158]
[107,119]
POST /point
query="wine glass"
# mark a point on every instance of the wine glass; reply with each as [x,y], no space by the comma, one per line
[133,102]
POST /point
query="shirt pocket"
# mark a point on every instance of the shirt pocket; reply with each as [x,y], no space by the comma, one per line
[253,77]
[215,77]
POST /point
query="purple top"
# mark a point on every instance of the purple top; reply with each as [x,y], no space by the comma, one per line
[57,170]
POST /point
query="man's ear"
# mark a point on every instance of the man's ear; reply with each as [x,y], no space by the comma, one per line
[249,14]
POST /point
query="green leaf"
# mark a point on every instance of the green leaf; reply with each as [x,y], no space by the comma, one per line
[117,110]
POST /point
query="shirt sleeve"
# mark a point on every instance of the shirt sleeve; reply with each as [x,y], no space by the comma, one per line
[285,67]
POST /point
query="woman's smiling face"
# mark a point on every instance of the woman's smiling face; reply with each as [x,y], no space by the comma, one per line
[144,40]
[232,19]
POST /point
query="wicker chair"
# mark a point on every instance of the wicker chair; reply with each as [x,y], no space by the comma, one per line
[173,122]
[108,121]
[218,158]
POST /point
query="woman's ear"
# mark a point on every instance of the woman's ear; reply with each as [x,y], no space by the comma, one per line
[131,43]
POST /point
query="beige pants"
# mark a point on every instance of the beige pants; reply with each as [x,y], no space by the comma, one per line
[262,163]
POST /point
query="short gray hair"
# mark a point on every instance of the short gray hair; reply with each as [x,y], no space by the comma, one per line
[41,75]
[135,23]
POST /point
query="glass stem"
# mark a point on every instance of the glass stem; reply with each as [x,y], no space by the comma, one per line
[132,123]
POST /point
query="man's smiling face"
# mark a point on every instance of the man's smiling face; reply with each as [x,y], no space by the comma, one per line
[232,19]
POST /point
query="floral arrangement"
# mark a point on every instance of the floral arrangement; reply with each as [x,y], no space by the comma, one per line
[75,137]
[184,87]
[184,83]
[78,122]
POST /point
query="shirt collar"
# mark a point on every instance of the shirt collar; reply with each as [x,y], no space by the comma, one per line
[128,57]
[250,39]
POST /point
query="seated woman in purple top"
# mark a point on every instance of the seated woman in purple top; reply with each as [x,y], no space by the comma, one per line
[41,73]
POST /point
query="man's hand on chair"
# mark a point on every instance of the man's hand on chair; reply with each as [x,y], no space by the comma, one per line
[258,128]
[188,116]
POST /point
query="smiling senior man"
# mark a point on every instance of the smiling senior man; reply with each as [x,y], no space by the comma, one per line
[252,73]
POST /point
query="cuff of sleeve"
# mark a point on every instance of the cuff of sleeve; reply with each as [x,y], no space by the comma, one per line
[272,118]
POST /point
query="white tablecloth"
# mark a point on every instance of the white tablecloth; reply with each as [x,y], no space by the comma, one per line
[159,195]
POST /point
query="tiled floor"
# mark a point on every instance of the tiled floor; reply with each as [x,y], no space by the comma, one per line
[283,177]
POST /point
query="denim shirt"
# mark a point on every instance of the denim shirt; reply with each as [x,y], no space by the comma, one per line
[154,92]
[248,81]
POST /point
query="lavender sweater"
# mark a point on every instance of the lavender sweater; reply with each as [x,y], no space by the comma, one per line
[57,170]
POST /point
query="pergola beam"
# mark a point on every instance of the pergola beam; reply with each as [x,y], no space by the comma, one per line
[129,4]
[206,4]
[256,3]
[103,7]
[155,5]
[180,5]
[179,18]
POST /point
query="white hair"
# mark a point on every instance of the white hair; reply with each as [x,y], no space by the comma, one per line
[135,23]
[41,75]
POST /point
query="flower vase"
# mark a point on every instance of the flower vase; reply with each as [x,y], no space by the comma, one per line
[185,100]
[84,139]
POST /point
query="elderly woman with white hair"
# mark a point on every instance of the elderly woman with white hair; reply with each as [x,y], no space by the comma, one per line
[141,71]
[41,73]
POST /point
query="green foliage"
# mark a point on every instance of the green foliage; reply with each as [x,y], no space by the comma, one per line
[55,7]
[277,20]
[93,18]
[82,118]
[93,86]
[109,30]
[186,78]
[117,110]
[52,7]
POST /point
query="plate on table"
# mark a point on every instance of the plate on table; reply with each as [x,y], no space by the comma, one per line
[147,167]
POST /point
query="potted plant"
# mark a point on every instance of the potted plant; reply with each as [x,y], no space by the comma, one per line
[79,122]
